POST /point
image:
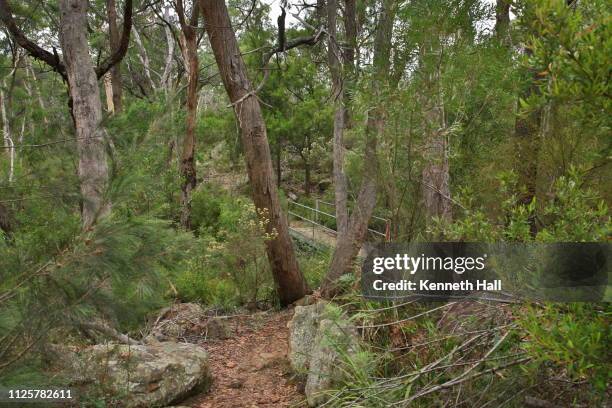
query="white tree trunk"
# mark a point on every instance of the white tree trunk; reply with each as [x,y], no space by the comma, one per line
[166,78]
[6,131]
[144,58]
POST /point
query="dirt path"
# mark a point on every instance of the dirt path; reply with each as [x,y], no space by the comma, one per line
[250,369]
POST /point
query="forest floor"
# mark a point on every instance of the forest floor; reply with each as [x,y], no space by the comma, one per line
[250,368]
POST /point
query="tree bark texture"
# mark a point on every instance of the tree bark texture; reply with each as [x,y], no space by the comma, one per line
[349,244]
[6,132]
[190,56]
[166,78]
[290,282]
[435,176]
[350,70]
[144,58]
[335,67]
[87,109]
[115,71]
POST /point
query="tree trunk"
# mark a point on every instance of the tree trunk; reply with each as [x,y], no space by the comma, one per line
[527,145]
[6,131]
[435,177]
[350,70]
[108,91]
[115,71]
[87,109]
[290,282]
[41,102]
[166,78]
[190,56]
[349,244]
[144,58]
[527,148]
[7,222]
[502,19]
[279,170]
[339,177]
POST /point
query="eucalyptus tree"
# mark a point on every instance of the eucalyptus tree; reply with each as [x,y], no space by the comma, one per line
[113,81]
[189,47]
[289,280]
[77,68]
[349,243]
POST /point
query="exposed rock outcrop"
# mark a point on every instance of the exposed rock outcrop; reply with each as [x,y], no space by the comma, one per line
[318,337]
[152,375]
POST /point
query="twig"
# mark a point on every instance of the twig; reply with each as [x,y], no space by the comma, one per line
[406,319]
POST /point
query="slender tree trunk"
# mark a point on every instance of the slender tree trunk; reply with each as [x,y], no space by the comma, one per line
[528,130]
[502,19]
[527,127]
[527,149]
[349,244]
[41,102]
[279,170]
[115,71]
[190,55]
[339,177]
[108,91]
[6,132]
[305,159]
[166,78]
[435,181]
[144,58]
[350,70]
[290,282]
[435,177]
[87,110]
[7,222]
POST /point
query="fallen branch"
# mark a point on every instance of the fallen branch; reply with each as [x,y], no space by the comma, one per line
[463,379]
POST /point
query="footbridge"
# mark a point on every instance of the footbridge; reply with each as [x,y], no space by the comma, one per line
[316,225]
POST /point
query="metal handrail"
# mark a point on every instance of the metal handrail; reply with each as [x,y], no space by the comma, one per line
[316,211]
[334,205]
[332,231]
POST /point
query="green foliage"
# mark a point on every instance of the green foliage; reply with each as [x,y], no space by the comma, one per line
[230,267]
[206,203]
[576,214]
[571,214]
[116,272]
[449,75]
[575,336]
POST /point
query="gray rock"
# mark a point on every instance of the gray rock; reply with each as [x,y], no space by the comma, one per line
[303,328]
[318,337]
[187,322]
[334,338]
[152,375]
